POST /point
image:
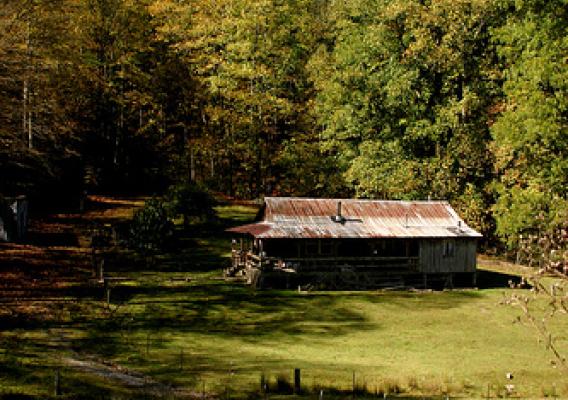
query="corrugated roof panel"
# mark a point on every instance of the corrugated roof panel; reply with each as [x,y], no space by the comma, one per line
[311,218]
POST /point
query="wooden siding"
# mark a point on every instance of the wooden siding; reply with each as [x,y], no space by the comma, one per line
[447,255]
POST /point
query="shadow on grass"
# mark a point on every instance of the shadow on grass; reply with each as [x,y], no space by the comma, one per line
[72,385]
[206,247]
[225,311]
[46,239]
[37,375]
[203,248]
[493,280]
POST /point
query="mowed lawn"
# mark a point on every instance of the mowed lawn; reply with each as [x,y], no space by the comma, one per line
[421,343]
[176,322]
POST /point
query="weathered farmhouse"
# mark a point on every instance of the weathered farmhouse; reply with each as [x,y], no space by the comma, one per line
[344,243]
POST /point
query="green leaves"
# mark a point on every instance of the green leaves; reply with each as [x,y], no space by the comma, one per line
[531,136]
[190,201]
[380,171]
[406,96]
[150,230]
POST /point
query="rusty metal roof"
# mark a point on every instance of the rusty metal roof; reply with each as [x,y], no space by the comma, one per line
[293,217]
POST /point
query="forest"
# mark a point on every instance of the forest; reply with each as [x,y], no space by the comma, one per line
[385,99]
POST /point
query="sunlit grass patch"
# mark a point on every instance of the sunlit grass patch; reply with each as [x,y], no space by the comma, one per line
[236,213]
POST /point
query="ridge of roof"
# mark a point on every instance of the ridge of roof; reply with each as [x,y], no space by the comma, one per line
[356,200]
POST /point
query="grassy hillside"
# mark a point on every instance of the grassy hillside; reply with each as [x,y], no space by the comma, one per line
[174,327]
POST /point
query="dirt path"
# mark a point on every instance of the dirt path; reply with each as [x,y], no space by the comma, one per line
[130,379]
[121,376]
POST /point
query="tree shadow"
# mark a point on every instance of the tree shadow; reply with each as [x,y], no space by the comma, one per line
[225,310]
[494,280]
[232,310]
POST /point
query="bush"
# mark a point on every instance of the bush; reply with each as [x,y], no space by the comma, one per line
[191,202]
[151,230]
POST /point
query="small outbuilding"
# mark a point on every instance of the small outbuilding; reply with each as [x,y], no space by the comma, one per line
[13,218]
[349,243]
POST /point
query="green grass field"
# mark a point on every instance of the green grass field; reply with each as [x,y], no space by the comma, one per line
[174,322]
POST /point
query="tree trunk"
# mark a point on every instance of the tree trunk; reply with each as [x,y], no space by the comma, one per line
[191,165]
[27,119]
[25,107]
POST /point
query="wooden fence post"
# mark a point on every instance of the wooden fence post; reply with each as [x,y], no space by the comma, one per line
[297,381]
[57,383]
[262,382]
[353,386]
[101,270]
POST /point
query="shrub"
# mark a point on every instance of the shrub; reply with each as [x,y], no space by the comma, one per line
[150,229]
[191,202]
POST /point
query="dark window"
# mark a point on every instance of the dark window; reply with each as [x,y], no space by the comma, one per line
[280,248]
[448,248]
[354,248]
[413,248]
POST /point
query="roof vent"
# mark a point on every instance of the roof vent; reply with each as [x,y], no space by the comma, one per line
[338,217]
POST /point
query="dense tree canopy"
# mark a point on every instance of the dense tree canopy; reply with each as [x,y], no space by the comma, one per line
[531,133]
[458,100]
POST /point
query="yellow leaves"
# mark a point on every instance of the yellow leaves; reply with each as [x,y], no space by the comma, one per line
[163,7]
[441,32]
